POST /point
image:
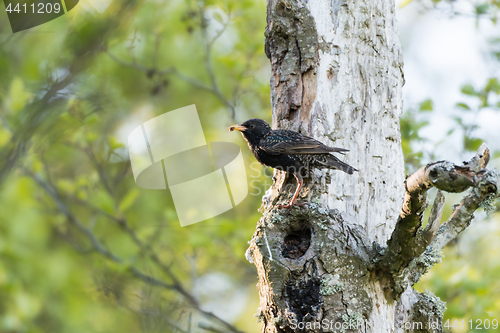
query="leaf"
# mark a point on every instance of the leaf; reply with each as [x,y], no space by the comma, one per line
[92,119]
[426,105]
[463,106]
[5,135]
[458,120]
[493,85]
[218,17]
[104,201]
[66,186]
[114,144]
[472,144]
[422,124]
[18,96]
[482,9]
[405,3]
[468,89]
[483,97]
[128,200]
[91,136]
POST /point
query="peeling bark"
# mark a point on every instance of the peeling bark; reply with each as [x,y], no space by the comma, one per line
[292,46]
[347,260]
[408,241]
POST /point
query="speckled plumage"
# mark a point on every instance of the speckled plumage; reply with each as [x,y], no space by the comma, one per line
[289,151]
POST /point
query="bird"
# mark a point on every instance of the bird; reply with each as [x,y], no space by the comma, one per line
[289,151]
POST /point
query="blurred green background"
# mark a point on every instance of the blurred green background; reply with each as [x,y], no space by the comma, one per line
[83,249]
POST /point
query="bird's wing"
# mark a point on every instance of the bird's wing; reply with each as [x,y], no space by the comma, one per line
[288,142]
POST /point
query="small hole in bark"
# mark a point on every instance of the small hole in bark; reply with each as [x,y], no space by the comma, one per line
[292,113]
[296,243]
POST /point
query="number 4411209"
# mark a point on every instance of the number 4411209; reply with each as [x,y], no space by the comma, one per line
[478,324]
[40,8]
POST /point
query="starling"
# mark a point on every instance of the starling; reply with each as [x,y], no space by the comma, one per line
[289,151]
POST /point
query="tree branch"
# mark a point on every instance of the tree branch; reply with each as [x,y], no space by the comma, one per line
[42,107]
[176,285]
[208,63]
[408,240]
[20,140]
[212,88]
[434,218]
[460,219]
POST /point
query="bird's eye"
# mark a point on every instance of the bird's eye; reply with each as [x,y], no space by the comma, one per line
[251,126]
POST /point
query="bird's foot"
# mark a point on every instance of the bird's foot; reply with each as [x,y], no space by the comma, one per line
[290,204]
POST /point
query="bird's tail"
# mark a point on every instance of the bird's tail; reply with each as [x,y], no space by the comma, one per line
[333,162]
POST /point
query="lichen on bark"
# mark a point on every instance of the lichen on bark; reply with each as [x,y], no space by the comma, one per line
[312,268]
[337,76]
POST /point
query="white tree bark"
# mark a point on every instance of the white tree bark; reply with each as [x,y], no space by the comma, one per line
[337,76]
[357,106]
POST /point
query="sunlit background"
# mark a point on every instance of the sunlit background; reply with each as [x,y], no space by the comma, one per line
[83,249]
[451,101]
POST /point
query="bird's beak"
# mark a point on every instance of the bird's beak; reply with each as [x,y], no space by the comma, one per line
[237,128]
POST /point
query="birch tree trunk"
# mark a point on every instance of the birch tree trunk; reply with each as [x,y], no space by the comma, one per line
[346,261]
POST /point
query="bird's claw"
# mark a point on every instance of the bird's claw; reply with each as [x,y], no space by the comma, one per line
[290,204]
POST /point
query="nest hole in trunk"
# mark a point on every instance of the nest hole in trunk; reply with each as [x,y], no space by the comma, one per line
[297,241]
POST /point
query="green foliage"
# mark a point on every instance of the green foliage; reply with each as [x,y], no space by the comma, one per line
[74,227]
[485,9]
[468,286]
[410,127]
[426,105]
[485,98]
[467,278]
[484,95]
[412,121]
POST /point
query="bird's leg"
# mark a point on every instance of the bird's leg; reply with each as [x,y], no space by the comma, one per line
[293,201]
